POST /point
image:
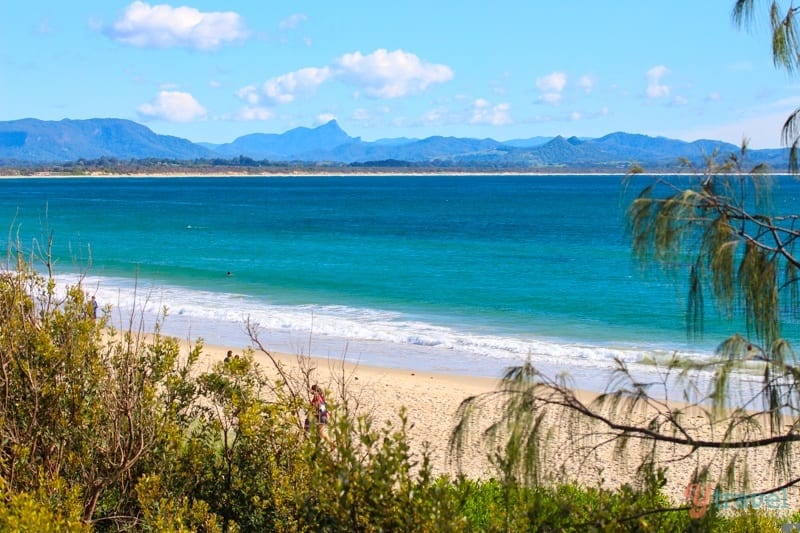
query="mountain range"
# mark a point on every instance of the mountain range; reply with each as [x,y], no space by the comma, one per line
[30,142]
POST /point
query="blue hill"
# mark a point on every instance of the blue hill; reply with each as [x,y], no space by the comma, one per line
[35,141]
[31,141]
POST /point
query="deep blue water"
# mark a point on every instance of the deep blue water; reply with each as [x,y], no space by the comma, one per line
[448,273]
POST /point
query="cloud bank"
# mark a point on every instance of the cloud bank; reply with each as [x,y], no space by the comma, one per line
[379,75]
[173,106]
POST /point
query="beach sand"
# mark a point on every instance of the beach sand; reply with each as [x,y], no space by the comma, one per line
[431,402]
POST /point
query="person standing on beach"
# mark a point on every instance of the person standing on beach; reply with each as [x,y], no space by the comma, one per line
[93,308]
[318,416]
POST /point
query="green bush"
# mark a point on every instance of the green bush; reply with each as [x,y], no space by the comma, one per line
[750,521]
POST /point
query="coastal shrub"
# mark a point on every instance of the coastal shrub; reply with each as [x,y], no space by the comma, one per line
[51,508]
[161,513]
[481,503]
[749,521]
[252,449]
[80,403]
[494,506]
[370,481]
[22,513]
[574,508]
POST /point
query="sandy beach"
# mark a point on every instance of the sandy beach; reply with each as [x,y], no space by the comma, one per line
[431,401]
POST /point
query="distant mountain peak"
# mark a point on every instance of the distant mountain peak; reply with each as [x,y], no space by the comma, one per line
[331,124]
[557,140]
[294,144]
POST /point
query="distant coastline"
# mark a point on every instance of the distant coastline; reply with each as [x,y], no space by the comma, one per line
[33,172]
[320,175]
[304,170]
[339,173]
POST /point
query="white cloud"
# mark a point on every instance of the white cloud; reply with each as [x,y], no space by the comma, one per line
[381,74]
[483,112]
[574,116]
[384,74]
[164,26]
[554,82]
[434,117]
[361,114]
[586,83]
[255,113]
[551,98]
[551,86]
[655,89]
[173,106]
[284,89]
[324,118]
[292,21]
[249,94]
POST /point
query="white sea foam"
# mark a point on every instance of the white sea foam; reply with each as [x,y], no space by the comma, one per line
[369,335]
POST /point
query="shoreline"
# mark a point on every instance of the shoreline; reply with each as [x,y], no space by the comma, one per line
[338,174]
[319,174]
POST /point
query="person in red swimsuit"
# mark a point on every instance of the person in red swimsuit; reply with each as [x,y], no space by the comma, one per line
[319,412]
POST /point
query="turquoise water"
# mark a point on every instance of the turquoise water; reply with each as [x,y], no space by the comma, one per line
[446,273]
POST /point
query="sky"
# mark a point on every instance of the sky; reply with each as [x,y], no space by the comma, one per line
[214,70]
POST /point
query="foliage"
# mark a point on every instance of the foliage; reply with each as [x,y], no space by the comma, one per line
[785,55]
[77,405]
[52,508]
[718,225]
[372,482]
[105,431]
[750,521]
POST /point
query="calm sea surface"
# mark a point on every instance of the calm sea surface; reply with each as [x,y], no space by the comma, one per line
[445,273]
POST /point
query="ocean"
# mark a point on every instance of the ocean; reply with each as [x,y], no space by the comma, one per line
[454,274]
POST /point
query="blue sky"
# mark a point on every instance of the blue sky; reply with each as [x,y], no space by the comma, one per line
[215,70]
